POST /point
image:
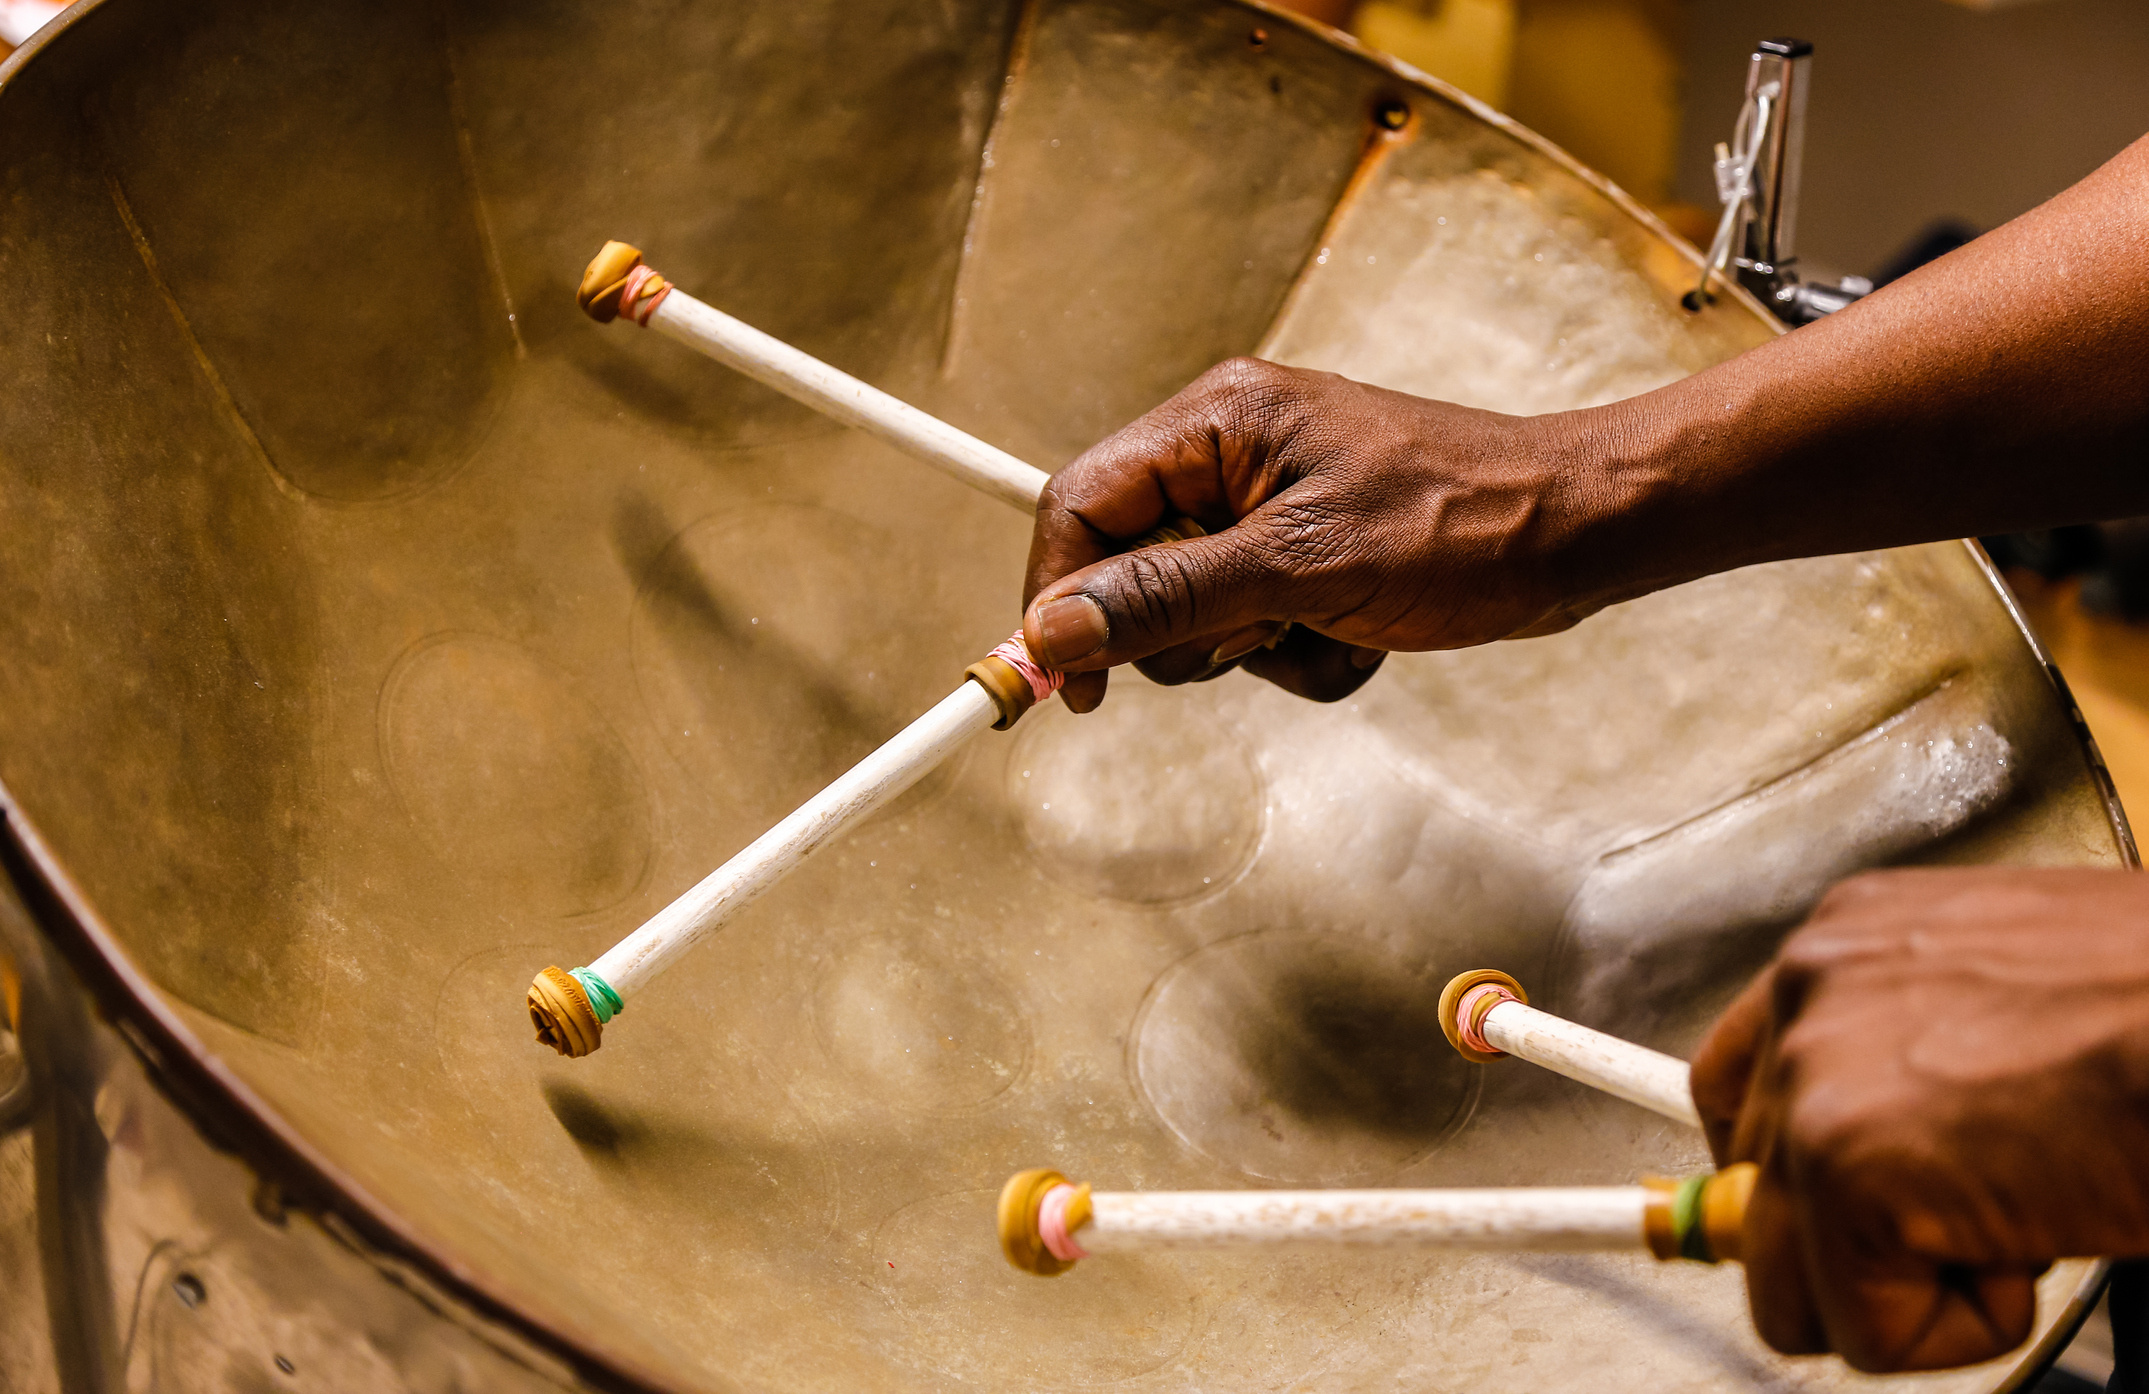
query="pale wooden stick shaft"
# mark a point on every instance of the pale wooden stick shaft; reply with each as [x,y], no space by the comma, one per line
[865,787]
[1639,1075]
[1534,1217]
[773,362]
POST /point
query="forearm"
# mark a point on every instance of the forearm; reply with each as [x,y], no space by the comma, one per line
[2002,388]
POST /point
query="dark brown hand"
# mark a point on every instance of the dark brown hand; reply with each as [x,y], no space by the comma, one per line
[1370,519]
[1945,1080]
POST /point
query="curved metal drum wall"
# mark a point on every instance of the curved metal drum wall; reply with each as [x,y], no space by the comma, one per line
[377,630]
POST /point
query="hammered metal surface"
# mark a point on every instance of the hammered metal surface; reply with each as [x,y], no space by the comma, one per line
[377,630]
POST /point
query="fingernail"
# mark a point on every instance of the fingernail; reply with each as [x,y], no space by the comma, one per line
[1241,644]
[1072,627]
[1366,658]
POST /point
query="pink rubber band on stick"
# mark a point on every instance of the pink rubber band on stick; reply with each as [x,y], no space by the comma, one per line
[1052,1225]
[1466,1015]
[1043,681]
[636,279]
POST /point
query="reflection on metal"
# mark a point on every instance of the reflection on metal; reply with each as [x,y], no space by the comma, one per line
[363,645]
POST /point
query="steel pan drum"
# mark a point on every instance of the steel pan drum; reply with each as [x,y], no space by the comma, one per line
[374,630]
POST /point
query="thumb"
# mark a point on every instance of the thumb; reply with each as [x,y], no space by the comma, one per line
[1138,603]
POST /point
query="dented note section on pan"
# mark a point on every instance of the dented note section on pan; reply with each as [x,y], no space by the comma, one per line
[1663,919]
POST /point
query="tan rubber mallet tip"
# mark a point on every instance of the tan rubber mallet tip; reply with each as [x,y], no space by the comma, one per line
[604,278]
[1451,998]
[1010,691]
[1020,1200]
[561,1012]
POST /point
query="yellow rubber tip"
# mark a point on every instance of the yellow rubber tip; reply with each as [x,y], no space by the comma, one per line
[1451,998]
[603,280]
[1711,1226]
[1723,1209]
[561,1012]
[1010,691]
[1019,1239]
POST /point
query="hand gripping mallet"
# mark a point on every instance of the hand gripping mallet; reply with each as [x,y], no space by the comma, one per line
[1046,1224]
[1486,1016]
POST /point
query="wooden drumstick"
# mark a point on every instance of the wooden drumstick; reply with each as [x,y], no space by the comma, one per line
[617,285]
[1487,1015]
[569,1008]
[1047,1224]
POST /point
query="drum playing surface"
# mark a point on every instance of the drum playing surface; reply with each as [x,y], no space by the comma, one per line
[383,631]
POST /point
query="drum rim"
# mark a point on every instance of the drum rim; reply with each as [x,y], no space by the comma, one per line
[202,1087]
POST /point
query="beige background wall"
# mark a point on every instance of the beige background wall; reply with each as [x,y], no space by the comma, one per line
[1923,109]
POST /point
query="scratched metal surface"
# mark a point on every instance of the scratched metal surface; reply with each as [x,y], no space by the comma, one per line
[376,631]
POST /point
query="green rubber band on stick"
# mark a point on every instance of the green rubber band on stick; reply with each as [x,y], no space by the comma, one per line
[602,1000]
[1686,1226]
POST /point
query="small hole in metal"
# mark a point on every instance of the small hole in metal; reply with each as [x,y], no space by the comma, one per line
[284,1364]
[1392,115]
[188,1289]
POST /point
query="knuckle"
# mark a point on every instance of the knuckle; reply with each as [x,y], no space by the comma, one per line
[1242,372]
[1833,1138]
[1246,391]
[1307,539]
[1052,499]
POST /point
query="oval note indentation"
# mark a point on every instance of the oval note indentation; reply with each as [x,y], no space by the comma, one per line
[1302,1058]
[1149,799]
[919,1026]
[512,777]
[1103,1322]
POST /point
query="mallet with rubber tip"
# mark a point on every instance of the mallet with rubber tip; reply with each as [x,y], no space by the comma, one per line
[1046,1223]
[1487,1015]
[617,284]
[570,1007]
